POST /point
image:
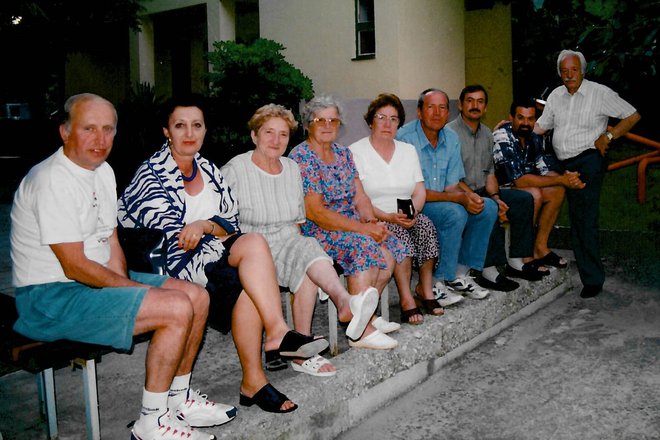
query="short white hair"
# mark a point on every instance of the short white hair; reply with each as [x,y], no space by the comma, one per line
[570,53]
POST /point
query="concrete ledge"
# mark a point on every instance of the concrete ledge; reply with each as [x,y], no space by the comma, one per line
[368,379]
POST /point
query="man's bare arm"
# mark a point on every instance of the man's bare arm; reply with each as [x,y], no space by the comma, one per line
[623,127]
[78,267]
[568,180]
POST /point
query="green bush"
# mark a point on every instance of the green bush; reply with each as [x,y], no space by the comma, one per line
[242,79]
[139,132]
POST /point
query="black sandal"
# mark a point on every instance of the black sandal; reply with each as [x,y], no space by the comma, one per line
[274,361]
[429,305]
[529,272]
[552,259]
[407,314]
[268,399]
[296,344]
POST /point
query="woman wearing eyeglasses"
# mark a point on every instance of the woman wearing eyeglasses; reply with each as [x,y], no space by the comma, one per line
[340,215]
[389,170]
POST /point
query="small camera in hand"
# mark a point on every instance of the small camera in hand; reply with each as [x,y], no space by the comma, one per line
[406,206]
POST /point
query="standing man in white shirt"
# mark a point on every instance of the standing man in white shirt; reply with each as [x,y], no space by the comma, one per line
[578,112]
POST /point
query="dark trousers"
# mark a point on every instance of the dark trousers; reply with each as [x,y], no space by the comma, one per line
[521,215]
[583,211]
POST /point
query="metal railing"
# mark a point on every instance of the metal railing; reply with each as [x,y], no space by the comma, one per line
[642,161]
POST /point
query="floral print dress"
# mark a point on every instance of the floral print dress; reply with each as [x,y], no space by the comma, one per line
[353,251]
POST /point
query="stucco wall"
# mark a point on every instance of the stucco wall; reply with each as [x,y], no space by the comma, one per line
[320,39]
[488,57]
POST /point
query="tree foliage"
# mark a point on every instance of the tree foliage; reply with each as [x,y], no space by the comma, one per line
[37,36]
[619,39]
[243,78]
[139,131]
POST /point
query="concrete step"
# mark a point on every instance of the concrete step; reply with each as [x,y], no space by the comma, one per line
[366,379]
[369,379]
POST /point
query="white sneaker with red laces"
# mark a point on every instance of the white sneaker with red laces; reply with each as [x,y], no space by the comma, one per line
[200,412]
[168,428]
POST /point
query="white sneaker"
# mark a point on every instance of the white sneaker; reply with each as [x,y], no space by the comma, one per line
[444,297]
[199,412]
[385,326]
[169,428]
[468,287]
[376,341]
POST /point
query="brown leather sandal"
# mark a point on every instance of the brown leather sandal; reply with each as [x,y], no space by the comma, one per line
[429,305]
[407,314]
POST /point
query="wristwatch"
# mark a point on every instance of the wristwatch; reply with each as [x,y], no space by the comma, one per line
[609,136]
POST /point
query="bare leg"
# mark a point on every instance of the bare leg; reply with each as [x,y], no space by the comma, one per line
[384,275]
[426,278]
[425,287]
[553,197]
[375,277]
[402,277]
[362,280]
[537,195]
[200,302]
[247,330]
[323,275]
[169,314]
[304,301]
[251,255]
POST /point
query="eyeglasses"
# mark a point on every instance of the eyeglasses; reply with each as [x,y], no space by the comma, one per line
[334,122]
[381,118]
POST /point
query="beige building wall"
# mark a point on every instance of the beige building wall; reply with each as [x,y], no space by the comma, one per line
[488,58]
[319,36]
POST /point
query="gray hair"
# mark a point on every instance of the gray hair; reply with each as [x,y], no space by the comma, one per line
[571,53]
[73,100]
[420,99]
[317,104]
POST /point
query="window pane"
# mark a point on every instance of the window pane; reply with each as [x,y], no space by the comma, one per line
[365,12]
[366,43]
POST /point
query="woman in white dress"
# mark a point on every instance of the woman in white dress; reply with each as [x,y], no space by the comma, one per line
[389,170]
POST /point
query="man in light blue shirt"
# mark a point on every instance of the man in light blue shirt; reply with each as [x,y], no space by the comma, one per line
[464,220]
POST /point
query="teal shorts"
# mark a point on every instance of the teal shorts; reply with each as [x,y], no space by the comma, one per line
[73,311]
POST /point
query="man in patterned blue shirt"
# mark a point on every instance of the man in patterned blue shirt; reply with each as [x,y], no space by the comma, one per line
[521,162]
[464,219]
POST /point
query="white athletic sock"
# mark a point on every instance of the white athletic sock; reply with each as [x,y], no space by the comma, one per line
[516,263]
[179,390]
[490,273]
[154,405]
[462,270]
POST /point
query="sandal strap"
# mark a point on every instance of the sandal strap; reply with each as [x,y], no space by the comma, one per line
[430,304]
[407,314]
[269,398]
[274,361]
